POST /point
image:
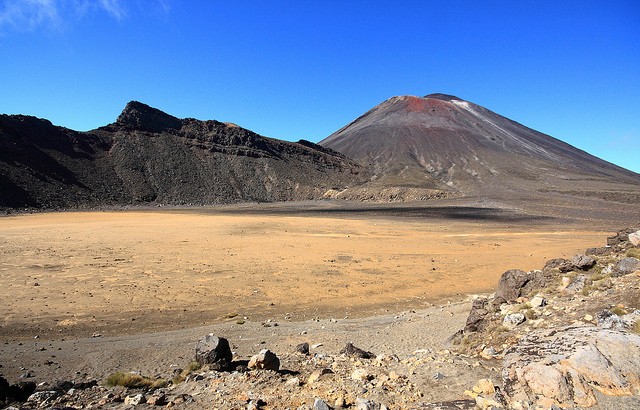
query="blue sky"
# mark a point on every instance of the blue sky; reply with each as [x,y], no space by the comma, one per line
[303,69]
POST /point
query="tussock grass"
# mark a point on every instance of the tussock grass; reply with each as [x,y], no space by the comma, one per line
[618,310]
[633,253]
[191,367]
[133,381]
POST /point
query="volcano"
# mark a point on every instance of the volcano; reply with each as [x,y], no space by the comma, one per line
[445,144]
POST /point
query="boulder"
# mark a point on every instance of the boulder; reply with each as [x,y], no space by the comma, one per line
[353,351]
[620,237]
[265,360]
[564,367]
[513,320]
[626,266]
[478,313]
[214,351]
[303,348]
[511,284]
[561,264]
[135,399]
[577,284]
[634,238]
[583,262]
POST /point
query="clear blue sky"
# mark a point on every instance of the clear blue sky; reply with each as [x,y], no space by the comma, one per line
[303,69]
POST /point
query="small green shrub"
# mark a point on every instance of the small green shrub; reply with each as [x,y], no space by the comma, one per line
[133,381]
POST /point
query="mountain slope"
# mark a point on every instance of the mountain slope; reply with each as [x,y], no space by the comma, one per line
[148,156]
[443,142]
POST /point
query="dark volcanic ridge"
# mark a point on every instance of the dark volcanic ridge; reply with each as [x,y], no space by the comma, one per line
[445,143]
[148,156]
[405,149]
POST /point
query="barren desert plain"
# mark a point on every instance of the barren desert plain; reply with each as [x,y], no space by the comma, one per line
[86,294]
[77,273]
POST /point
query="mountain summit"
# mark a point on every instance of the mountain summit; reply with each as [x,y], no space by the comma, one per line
[137,115]
[443,142]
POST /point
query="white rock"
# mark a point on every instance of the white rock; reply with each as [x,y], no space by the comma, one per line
[538,301]
[634,238]
[135,400]
[513,320]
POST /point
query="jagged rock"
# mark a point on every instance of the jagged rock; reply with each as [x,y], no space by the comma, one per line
[213,351]
[135,400]
[41,398]
[319,404]
[583,262]
[477,315]
[563,367]
[353,351]
[577,284]
[626,266]
[158,399]
[609,320]
[265,360]
[602,251]
[363,404]
[620,237]
[515,283]
[303,348]
[561,264]
[634,238]
[513,320]
[511,284]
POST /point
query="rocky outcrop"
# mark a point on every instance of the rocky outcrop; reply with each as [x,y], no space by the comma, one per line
[559,347]
[565,367]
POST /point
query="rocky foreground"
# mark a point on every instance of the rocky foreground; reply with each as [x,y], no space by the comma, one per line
[564,336]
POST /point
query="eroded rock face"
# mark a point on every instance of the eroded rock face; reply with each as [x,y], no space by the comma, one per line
[566,366]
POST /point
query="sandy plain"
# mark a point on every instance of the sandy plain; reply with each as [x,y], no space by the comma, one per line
[73,274]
